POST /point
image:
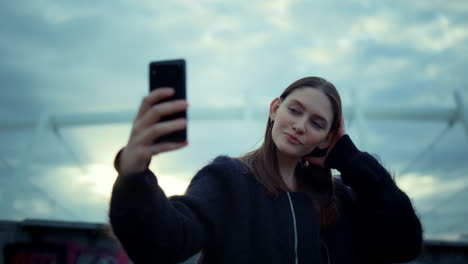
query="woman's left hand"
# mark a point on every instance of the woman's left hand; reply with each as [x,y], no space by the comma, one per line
[335,136]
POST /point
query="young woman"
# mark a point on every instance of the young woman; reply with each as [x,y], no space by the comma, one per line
[277,204]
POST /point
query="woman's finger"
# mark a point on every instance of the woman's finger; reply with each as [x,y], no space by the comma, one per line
[152,98]
[166,146]
[341,129]
[160,110]
[149,135]
[137,154]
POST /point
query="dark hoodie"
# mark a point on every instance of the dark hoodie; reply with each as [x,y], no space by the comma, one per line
[227,214]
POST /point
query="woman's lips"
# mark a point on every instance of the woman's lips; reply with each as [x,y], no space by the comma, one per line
[292,139]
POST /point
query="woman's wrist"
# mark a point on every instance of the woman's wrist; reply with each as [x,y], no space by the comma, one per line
[341,153]
[123,169]
[117,160]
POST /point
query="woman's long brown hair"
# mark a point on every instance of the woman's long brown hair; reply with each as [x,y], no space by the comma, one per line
[263,163]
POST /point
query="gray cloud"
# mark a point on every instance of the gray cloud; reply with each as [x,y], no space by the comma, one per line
[86,57]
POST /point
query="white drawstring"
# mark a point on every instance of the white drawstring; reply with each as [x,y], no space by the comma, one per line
[326,251]
[295,227]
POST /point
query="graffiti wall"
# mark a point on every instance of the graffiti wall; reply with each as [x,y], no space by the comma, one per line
[70,253]
[59,243]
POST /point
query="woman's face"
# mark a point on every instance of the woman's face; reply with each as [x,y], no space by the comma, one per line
[301,122]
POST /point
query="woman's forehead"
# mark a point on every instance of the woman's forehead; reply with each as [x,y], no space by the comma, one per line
[313,100]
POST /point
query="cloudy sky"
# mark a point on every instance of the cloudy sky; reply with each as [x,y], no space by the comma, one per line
[90,58]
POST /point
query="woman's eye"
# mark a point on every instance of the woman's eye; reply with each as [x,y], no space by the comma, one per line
[316,124]
[293,111]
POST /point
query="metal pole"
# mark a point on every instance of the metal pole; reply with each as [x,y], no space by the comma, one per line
[462,112]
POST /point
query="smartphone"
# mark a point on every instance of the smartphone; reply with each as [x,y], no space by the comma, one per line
[170,73]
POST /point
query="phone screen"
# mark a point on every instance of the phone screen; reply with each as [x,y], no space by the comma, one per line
[170,73]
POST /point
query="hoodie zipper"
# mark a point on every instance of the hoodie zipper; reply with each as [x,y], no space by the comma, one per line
[326,251]
[296,260]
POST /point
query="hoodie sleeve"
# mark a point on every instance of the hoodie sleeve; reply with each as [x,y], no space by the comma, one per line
[388,227]
[155,229]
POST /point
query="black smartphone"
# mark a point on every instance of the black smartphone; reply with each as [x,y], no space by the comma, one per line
[170,73]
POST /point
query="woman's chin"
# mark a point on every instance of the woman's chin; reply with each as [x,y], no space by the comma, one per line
[291,154]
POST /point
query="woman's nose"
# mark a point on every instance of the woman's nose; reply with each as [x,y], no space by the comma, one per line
[299,127]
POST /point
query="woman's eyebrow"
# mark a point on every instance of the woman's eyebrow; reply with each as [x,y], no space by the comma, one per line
[314,114]
[297,102]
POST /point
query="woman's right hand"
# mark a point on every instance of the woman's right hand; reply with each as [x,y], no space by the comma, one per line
[136,156]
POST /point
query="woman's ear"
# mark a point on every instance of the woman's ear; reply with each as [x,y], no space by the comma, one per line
[274,105]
